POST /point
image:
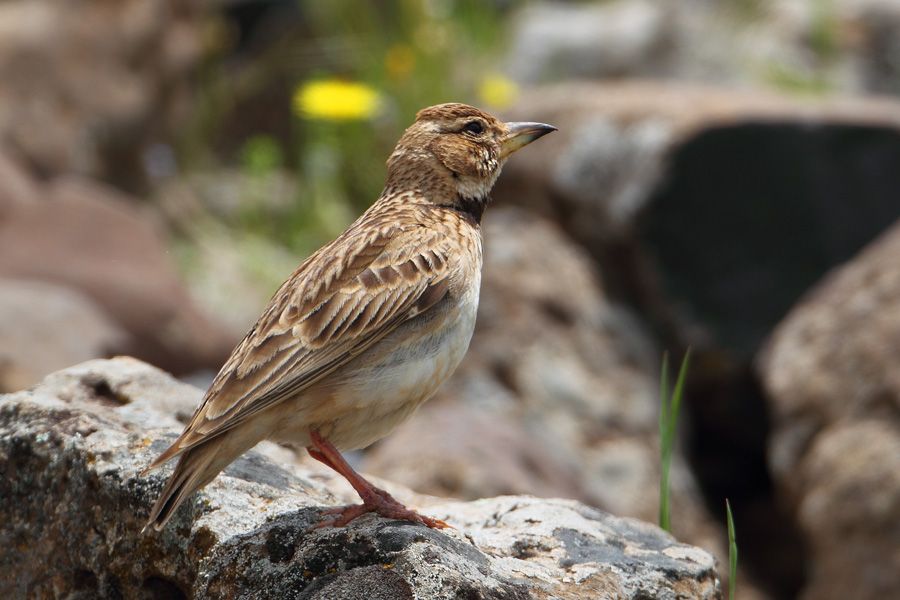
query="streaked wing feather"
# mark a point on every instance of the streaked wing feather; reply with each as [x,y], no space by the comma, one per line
[328,312]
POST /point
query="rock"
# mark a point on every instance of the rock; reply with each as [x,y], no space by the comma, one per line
[89,86]
[452,449]
[16,186]
[710,213]
[830,373]
[617,141]
[74,510]
[844,47]
[121,265]
[832,359]
[849,503]
[553,41]
[556,396]
[47,327]
[871,29]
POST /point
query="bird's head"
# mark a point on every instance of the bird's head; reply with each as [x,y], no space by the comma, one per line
[459,149]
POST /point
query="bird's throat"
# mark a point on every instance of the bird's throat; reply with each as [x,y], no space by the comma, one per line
[472,207]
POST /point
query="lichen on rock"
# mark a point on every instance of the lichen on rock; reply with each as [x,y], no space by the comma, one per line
[74,504]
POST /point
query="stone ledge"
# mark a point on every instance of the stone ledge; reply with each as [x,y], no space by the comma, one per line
[73,447]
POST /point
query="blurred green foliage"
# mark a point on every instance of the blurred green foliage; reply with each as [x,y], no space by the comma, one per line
[408,53]
[796,80]
[732,551]
[261,155]
[815,78]
[825,30]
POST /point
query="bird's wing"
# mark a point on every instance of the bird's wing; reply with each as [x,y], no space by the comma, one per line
[343,299]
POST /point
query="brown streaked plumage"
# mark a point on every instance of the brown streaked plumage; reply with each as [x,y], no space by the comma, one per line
[369,326]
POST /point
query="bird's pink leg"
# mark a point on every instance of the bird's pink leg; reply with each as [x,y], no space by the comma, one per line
[374,499]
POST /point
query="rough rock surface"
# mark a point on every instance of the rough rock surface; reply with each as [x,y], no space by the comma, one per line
[831,373]
[122,266]
[74,504]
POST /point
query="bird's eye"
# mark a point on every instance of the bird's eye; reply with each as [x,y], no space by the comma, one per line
[474,127]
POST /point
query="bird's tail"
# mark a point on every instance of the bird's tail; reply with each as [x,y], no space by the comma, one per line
[196,467]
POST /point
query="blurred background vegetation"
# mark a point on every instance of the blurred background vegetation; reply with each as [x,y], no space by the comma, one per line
[300,103]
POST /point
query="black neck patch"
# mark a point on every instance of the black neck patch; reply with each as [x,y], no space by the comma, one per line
[471,207]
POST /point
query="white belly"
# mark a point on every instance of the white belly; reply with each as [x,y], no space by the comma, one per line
[378,397]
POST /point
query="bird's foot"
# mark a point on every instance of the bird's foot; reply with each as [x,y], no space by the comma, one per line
[384,505]
[374,498]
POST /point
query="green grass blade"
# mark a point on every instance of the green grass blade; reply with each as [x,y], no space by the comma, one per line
[663,442]
[663,395]
[732,552]
[677,393]
[668,428]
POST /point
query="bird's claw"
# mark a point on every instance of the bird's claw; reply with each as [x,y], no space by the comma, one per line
[386,507]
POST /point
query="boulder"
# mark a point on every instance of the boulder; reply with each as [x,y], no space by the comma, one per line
[73,511]
[651,176]
[47,327]
[122,266]
[830,371]
[710,213]
[89,86]
[17,187]
[845,47]
[552,41]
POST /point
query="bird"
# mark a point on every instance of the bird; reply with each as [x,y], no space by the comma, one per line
[368,327]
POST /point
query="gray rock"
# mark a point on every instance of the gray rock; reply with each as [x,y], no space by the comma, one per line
[848,46]
[47,327]
[830,370]
[657,182]
[553,41]
[17,188]
[73,511]
[617,140]
[711,212]
[122,265]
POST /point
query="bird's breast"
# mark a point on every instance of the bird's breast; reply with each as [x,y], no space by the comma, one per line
[417,358]
[367,398]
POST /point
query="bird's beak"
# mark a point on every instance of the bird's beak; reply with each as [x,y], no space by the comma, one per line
[522,134]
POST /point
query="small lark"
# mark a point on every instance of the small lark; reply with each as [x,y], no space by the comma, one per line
[369,326]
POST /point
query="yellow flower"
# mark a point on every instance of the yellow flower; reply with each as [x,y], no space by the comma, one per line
[498,91]
[335,100]
[399,61]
